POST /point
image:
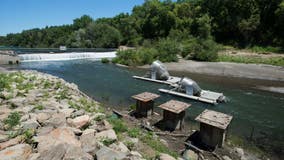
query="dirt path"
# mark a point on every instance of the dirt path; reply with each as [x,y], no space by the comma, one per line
[254,71]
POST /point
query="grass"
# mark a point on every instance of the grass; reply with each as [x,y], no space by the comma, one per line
[12,120]
[134,132]
[277,61]
[266,50]
[118,125]
[107,141]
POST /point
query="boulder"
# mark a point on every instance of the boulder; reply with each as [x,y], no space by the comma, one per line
[239,152]
[55,152]
[88,142]
[44,130]
[42,117]
[107,134]
[56,120]
[106,153]
[119,147]
[30,124]
[103,125]
[34,156]
[226,158]
[80,122]
[164,156]
[3,137]
[78,113]
[17,152]
[10,142]
[57,136]
[17,102]
[164,142]
[190,155]
[67,112]
[76,153]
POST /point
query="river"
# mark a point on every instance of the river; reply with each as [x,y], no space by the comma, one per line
[113,85]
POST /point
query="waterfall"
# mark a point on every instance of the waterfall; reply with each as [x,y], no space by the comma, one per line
[65,56]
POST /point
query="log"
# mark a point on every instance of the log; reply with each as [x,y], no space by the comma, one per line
[193,147]
[216,155]
[171,134]
[118,113]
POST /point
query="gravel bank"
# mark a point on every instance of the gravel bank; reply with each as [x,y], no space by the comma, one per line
[254,71]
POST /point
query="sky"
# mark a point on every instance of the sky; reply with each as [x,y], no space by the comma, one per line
[18,15]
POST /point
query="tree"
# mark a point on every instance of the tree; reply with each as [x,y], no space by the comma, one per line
[82,22]
[102,35]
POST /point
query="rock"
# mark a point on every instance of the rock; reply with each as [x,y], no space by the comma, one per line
[78,113]
[239,152]
[67,112]
[77,132]
[190,155]
[34,156]
[98,116]
[80,122]
[106,153]
[108,134]
[17,102]
[42,117]
[30,124]
[103,125]
[45,130]
[56,120]
[3,138]
[226,158]
[76,153]
[164,142]
[4,112]
[9,143]
[88,141]
[164,156]
[57,136]
[136,154]
[25,117]
[55,152]
[17,152]
[119,147]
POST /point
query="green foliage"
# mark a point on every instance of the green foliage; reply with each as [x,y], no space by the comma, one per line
[203,50]
[118,125]
[28,136]
[39,107]
[12,120]
[134,132]
[4,81]
[107,141]
[130,145]
[105,60]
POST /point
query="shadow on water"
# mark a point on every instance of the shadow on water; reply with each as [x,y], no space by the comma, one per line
[251,108]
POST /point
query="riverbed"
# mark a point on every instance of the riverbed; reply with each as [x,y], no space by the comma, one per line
[252,108]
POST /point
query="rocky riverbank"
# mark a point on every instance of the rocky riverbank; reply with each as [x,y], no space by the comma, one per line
[44,117]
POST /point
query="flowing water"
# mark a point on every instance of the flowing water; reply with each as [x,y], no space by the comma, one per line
[114,85]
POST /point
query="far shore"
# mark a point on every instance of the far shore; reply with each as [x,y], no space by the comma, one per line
[228,69]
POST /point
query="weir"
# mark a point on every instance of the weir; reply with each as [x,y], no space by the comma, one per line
[65,56]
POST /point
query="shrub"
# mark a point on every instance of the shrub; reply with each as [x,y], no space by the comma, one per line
[201,50]
[105,60]
[12,120]
[118,125]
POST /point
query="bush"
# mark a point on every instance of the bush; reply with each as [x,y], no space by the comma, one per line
[12,120]
[134,132]
[201,50]
[105,60]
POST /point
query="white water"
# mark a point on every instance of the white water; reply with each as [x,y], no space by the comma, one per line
[65,56]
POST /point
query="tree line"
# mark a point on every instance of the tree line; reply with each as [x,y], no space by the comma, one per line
[240,23]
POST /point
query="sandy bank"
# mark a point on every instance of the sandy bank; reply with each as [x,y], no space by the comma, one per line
[255,71]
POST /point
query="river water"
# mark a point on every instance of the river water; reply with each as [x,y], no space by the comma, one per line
[113,85]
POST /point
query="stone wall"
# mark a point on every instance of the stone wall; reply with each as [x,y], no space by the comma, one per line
[9,57]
